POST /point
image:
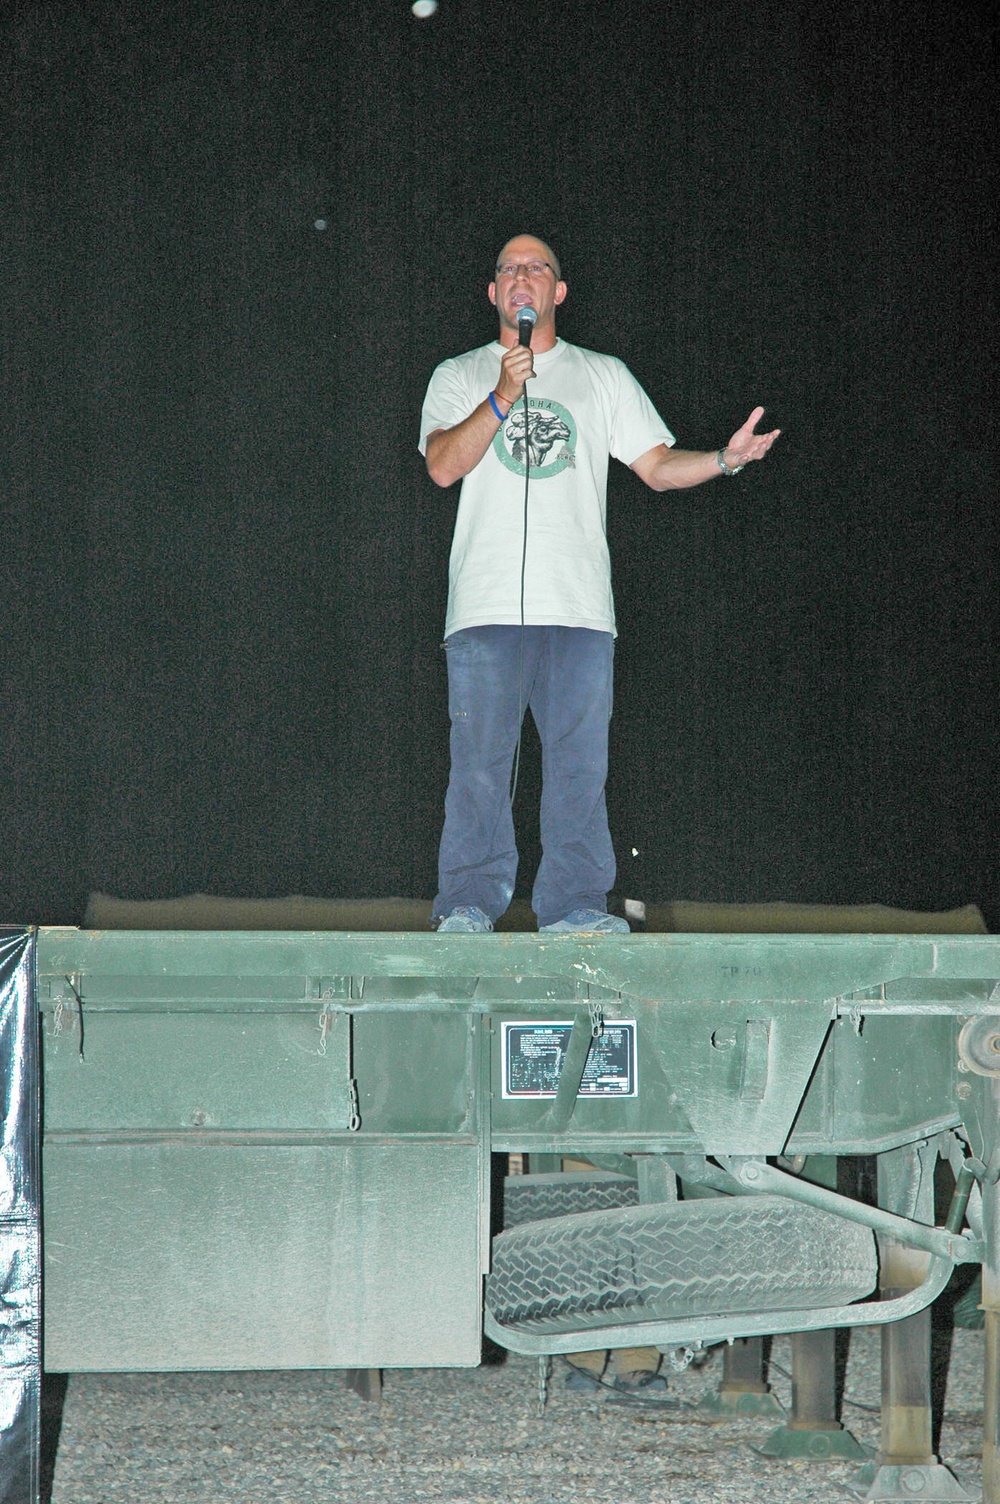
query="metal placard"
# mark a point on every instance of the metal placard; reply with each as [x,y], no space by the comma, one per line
[533,1051]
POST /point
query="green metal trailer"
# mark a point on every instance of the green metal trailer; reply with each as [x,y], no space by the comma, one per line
[274,1149]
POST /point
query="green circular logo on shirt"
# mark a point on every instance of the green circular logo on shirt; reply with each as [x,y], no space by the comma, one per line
[546,434]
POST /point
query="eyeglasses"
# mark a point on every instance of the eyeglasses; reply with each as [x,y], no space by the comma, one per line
[533,268]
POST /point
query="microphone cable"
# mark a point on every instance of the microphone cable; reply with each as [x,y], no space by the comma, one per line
[521,706]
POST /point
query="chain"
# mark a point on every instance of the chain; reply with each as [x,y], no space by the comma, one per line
[325,1025]
[79,1008]
[544,1366]
[353,1105]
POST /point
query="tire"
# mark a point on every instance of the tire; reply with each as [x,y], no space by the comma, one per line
[713,1257]
[534,1198]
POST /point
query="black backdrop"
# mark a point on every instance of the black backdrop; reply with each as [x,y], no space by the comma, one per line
[237,240]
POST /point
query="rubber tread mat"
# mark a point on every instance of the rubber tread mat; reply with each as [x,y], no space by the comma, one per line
[533,1198]
[659,1262]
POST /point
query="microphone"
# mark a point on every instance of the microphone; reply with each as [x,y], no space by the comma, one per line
[526,319]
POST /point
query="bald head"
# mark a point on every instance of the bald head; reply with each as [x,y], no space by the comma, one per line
[524,246]
[531,278]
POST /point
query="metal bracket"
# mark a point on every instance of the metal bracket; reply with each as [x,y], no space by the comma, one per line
[571,1074]
[698,1332]
[756,1051]
[757,1175]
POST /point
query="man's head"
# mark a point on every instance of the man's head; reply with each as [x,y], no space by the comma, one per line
[527,272]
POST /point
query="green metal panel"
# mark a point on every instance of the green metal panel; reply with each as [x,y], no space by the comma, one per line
[893,1076]
[175,1070]
[206,1204]
[416,1072]
[221,1255]
[887,972]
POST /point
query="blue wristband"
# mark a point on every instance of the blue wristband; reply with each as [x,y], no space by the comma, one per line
[493,404]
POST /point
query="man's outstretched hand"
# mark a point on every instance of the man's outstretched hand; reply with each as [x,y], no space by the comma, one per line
[745,445]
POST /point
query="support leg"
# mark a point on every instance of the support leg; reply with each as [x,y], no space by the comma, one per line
[991,1407]
[742,1390]
[991,1311]
[813,1433]
[366,1383]
[906,1467]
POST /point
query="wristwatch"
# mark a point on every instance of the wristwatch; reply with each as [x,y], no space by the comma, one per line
[726,469]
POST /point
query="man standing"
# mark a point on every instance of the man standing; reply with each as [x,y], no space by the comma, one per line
[530,619]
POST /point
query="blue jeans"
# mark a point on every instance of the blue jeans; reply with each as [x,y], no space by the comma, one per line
[564,674]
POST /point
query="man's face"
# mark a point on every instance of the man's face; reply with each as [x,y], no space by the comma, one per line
[543,291]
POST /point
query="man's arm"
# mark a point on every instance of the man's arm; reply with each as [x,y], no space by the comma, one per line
[665,469]
[452,452]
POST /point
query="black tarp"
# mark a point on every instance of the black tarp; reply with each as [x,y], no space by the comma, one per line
[20,1265]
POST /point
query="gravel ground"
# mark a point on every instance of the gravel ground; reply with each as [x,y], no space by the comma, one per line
[461,1436]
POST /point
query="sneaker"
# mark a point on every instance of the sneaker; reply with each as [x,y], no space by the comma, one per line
[465,919]
[641,1381]
[587,922]
[583,1380]
[643,1389]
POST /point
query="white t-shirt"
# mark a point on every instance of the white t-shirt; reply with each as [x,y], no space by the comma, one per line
[583,407]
